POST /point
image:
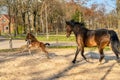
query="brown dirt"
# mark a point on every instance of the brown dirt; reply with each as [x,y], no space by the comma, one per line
[22,66]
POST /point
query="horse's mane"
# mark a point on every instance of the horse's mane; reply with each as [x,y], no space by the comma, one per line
[79,24]
[73,23]
[79,27]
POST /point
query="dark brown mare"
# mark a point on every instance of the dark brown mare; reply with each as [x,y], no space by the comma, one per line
[88,38]
[33,42]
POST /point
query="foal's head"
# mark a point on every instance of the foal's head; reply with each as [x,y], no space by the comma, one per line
[30,37]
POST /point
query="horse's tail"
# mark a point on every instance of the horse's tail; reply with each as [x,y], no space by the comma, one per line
[47,44]
[114,40]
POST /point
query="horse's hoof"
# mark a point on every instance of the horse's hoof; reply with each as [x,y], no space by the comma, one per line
[87,60]
[100,63]
[73,61]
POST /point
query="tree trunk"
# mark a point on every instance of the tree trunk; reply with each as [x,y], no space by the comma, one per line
[42,24]
[34,22]
[24,22]
[29,22]
[9,24]
[16,23]
[46,16]
[118,14]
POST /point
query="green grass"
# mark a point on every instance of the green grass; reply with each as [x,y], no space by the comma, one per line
[20,36]
[50,38]
[56,38]
[9,50]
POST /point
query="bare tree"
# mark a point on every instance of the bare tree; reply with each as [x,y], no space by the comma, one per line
[118,14]
[9,4]
[16,8]
[23,11]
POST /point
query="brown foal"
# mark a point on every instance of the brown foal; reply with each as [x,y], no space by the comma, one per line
[33,42]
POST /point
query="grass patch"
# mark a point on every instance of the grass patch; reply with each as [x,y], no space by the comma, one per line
[10,50]
[50,38]
[19,37]
[56,38]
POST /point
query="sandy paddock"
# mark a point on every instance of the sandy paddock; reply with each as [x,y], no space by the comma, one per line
[22,66]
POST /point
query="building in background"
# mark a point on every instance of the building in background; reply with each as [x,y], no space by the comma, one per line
[4,23]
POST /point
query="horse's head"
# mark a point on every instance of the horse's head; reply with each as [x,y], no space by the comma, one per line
[69,28]
[30,37]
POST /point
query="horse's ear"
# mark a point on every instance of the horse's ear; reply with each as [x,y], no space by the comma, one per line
[70,23]
[72,20]
[67,22]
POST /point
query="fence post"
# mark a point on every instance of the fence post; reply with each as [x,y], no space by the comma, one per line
[10,42]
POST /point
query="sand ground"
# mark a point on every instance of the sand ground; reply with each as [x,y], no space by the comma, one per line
[22,66]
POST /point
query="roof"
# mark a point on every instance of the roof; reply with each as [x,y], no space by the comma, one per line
[7,17]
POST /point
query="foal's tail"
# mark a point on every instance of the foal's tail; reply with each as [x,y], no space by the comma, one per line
[47,44]
[115,43]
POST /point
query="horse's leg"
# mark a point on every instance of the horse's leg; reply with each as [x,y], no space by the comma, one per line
[77,51]
[23,50]
[82,54]
[117,56]
[29,49]
[47,54]
[104,42]
[115,52]
[101,55]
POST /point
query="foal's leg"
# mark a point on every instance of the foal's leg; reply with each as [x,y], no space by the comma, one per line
[77,51]
[23,50]
[47,54]
[29,49]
